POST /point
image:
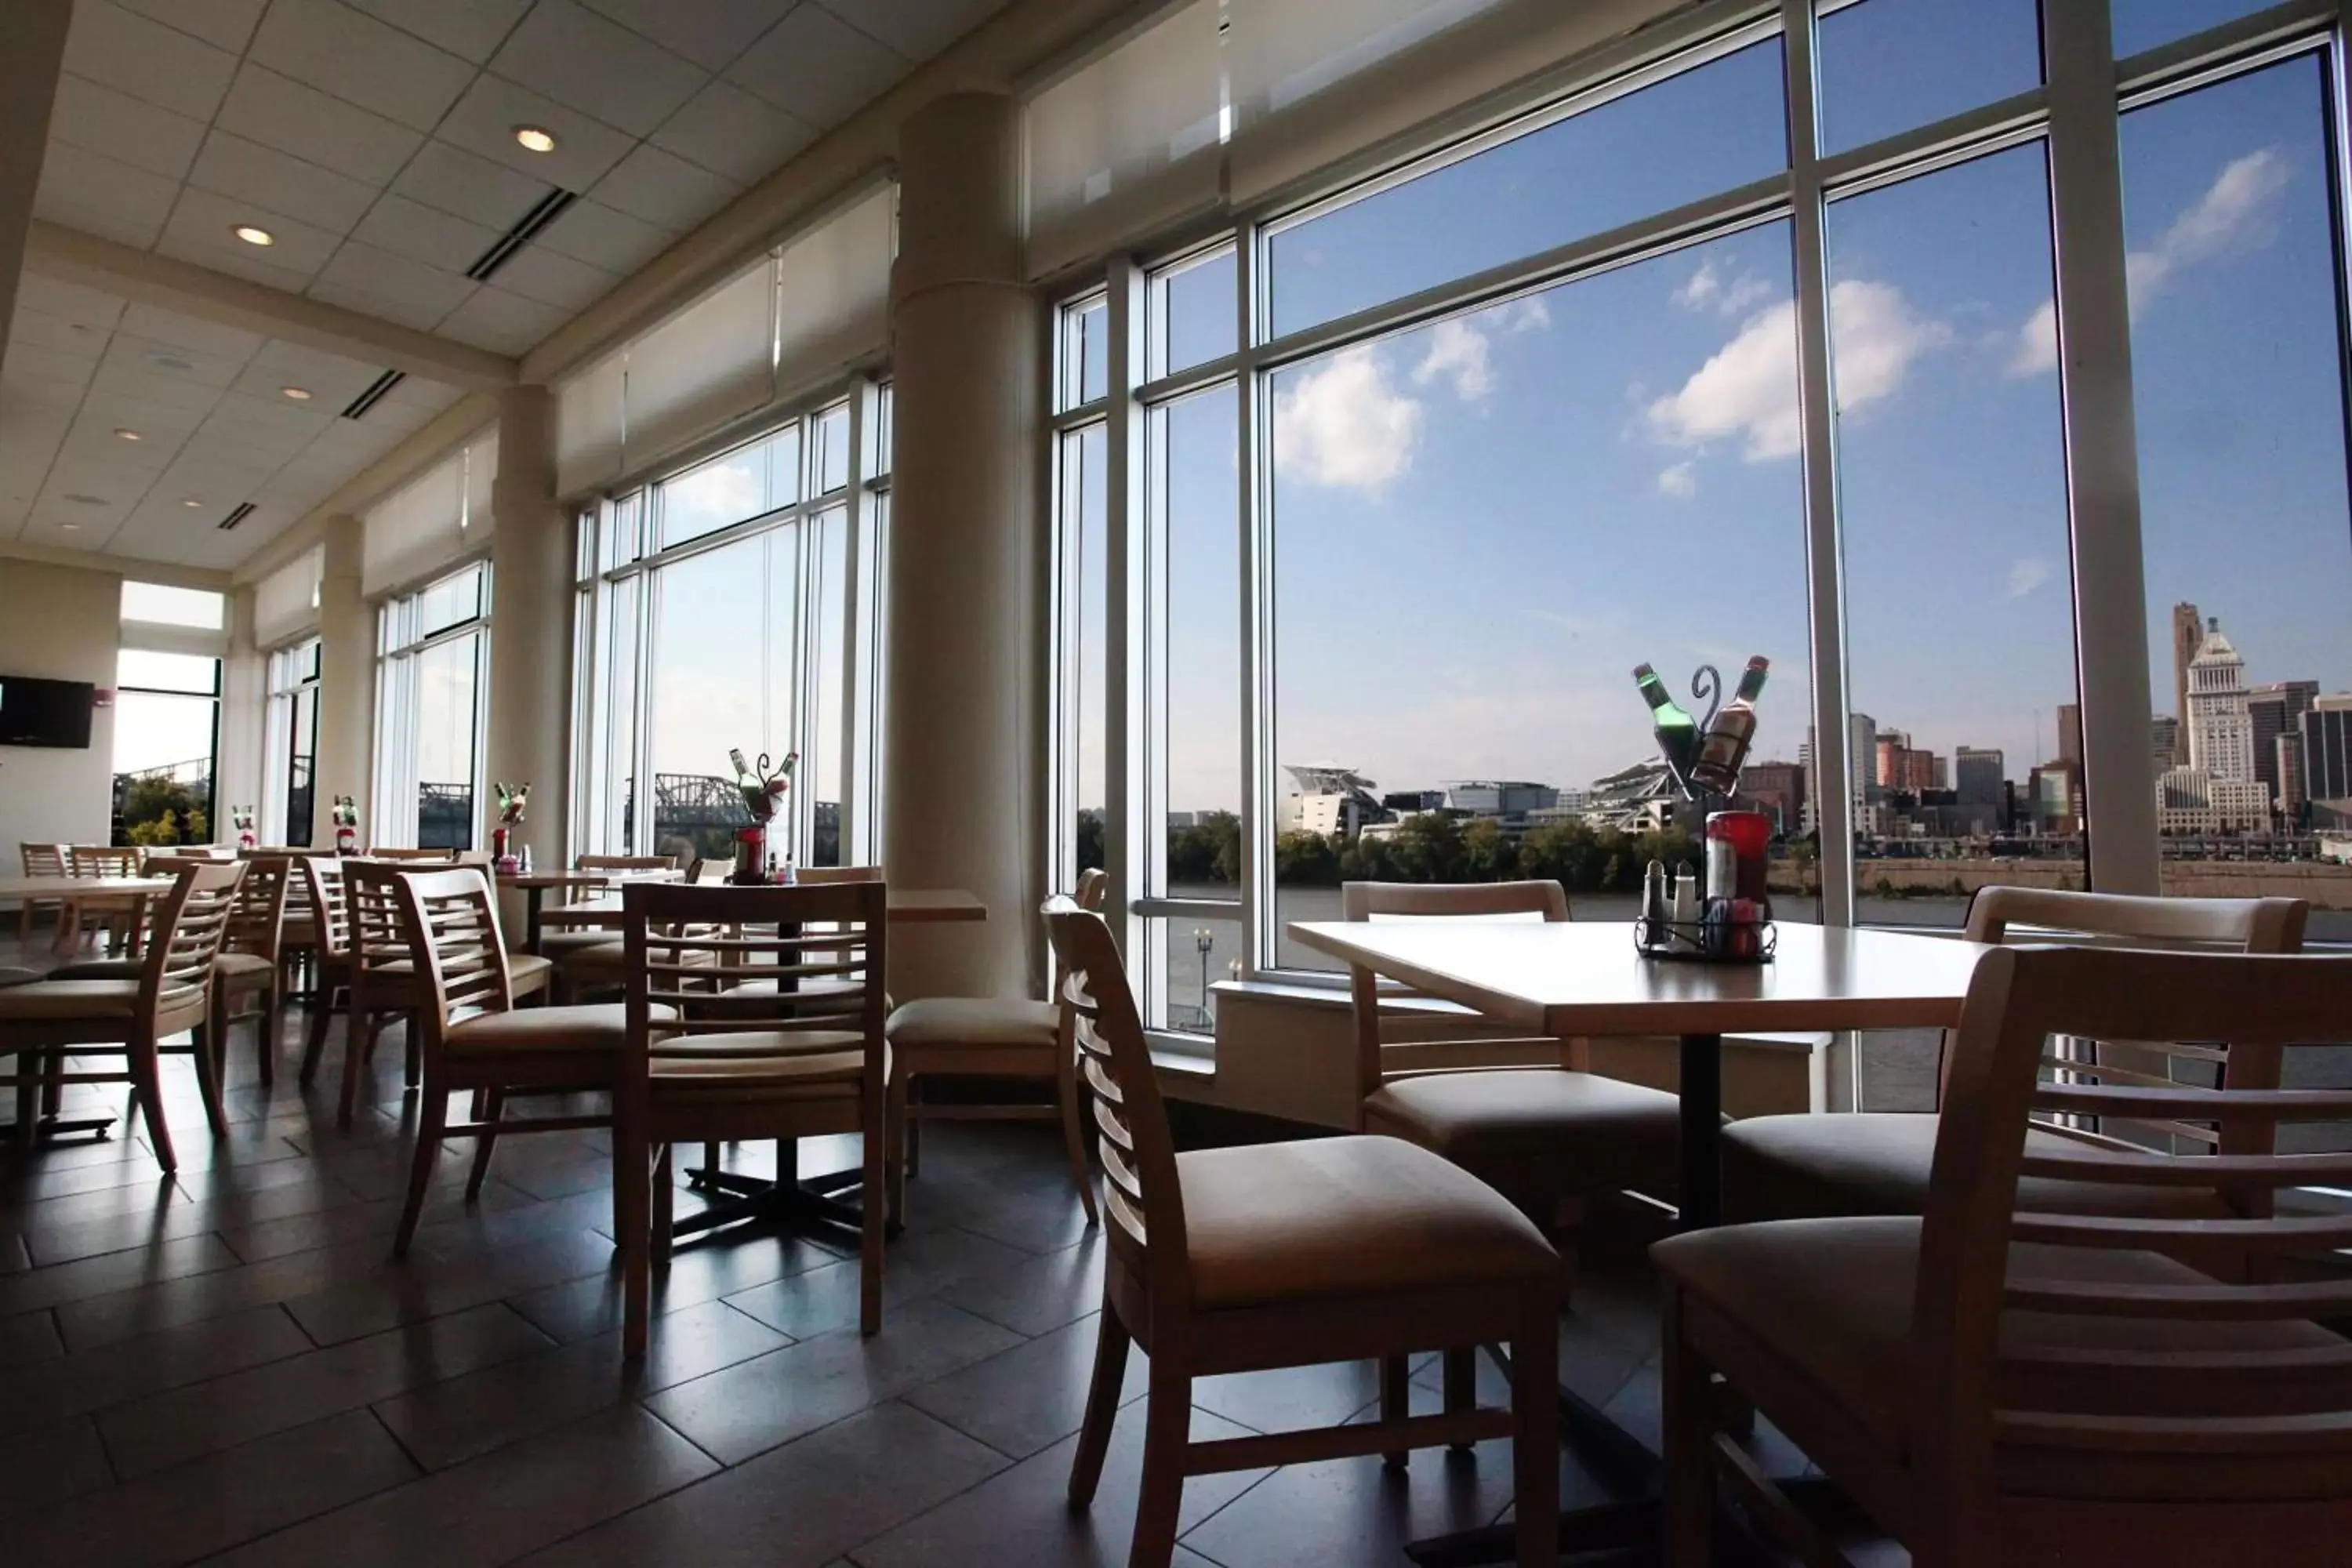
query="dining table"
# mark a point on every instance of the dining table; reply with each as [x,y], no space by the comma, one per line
[72,891]
[1569,980]
[534,887]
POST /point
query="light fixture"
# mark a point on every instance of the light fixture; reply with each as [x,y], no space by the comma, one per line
[69,528]
[535,139]
[254,234]
[124,433]
[298,393]
[191,502]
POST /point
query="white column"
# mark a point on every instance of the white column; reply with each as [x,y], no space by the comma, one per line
[237,774]
[32,42]
[530,624]
[346,678]
[964,703]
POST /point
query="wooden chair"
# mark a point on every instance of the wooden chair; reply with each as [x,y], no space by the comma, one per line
[1282,1255]
[40,860]
[1993,1383]
[123,918]
[992,1036]
[252,962]
[1794,1167]
[473,1036]
[43,1022]
[784,1058]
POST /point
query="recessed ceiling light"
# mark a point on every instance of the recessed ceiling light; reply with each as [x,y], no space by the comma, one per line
[298,393]
[534,139]
[191,502]
[125,434]
[252,234]
[69,528]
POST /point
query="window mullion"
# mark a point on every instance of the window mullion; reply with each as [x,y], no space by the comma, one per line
[1259,945]
[1131,679]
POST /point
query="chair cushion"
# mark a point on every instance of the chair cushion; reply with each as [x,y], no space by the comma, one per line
[100,969]
[1347,1217]
[528,973]
[1833,1298]
[561,945]
[12,975]
[975,1021]
[244,966]
[1539,1134]
[47,999]
[1876,1162]
[597,1027]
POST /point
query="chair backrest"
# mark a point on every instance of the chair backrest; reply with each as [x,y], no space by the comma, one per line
[773,943]
[1378,1058]
[257,923]
[176,977]
[449,923]
[708,870]
[2164,1377]
[373,929]
[393,852]
[102,861]
[1140,1193]
[43,860]
[323,880]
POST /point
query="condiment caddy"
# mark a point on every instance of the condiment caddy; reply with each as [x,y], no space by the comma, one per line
[1721,911]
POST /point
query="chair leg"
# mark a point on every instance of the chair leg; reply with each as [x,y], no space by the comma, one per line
[873,1223]
[492,1106]
[1534,1434]
[32,1067]
[359,1048]
[1461,1385]
[1167,1429]
[431,1118]
[895,1135]
[1689,1407]
[1074,1139]
[1396,1403]
[914,1130]
[314,1042]
[272,1013]
[1102,1405]
[207,1057]
[147,1087]
[412,1045]
[631,1200]
[665,1205]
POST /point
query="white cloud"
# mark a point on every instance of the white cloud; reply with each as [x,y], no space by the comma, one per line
[1707,289]
[1527,315]
[1749,388]
[2027,573]
[2237,211]
[1457,353]
[1681,482]
[1345,426]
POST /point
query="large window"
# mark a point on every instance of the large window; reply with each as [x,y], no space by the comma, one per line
[730,606]
[291,747]
[166,738]
[1423,466]
[432,675]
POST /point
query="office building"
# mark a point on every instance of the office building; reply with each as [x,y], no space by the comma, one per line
[2276,708]
[2187,636]
[2220,728]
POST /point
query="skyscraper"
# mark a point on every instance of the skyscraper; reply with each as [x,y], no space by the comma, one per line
[2164,741]
[2070,733]
[2277,707]
[2187,635]
[1978,775]
[2220,729]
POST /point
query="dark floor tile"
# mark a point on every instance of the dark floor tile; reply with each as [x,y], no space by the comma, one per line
[1022,1518]
[452,1421]
[31,1185]
[427,1287]
[147,1364]
[282,1234]
[797,1506]
[262,1177]
[50,1245]
[168,1429]
[918,1264]
[14,1258]
[1026,1398]
[216,1503]
[28,1338]
[754,1407]
[101,1320]
[46,1465]
[1291,1397]
[543,1179]
[582,1309]
[1038,1295]
[499,1506]
[1043,1221]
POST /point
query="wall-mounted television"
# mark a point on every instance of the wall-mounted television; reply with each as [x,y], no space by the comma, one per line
[44,712]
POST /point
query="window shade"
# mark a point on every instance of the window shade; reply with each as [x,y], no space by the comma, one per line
[1129,143]
[481,475]
[832,292]
[286,602]
[417,528]
[588,425]
[712,362]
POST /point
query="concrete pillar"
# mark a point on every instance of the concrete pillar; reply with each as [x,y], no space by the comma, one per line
[32,43]
[964,706]
[346,683]
[530,624]
[237,772]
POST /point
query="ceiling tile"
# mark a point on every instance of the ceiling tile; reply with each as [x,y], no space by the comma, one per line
[710,33]
[483,122]
[816,67]
[130,130]
[733,132]
[201,224]
[577,57]
[96,194]
[591,232]
[224,24]
[35,372]
[502,322]
[93,308]
[917,29]
[41,329]
[455,181]
[538,273]
[362,60]
[278,112]
[267,424]
[368,303]
[425,234]
[330,379]
[150,360]
[160,426]
[188,337]
[147,59]
[474,29]
[247,171]
[417,287]
[156,387]
[651,185]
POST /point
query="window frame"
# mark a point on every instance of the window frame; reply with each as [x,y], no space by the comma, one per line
[395,795]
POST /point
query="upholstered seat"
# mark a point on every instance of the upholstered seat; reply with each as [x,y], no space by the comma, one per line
[527,972]
[1876,1162]
[12,975]
[559,946]
[1347,1217]
[1832,1298]
[830,1062]
[980,1022]
[69,999]
[244,966]
[1537,1134]
[597,1026]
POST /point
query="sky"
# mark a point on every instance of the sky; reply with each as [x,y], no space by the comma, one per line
[1480,526]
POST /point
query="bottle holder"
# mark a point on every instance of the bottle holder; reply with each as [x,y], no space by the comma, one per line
[1707,942]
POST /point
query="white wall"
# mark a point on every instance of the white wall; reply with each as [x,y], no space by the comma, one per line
[62,623]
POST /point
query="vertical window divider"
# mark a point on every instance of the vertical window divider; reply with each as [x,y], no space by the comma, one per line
[2339,202]
[2095,379]
[1129,669]
[1259,947]
[857,669]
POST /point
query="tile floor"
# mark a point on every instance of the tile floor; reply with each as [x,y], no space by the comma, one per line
[224,1366]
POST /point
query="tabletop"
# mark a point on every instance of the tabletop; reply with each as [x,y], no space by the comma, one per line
[71,888]
[1586,978]
[908,906]
[560,878]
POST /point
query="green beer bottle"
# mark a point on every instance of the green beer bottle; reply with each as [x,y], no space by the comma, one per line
[1676,731]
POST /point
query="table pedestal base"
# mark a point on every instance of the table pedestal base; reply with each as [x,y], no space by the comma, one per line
[814,1207]
[48,1129]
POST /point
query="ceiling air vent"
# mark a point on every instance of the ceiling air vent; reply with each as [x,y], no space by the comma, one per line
[527,229]
[237,514]
[357,406]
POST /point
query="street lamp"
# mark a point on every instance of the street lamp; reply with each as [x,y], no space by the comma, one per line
[1203,941]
